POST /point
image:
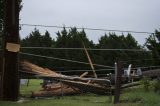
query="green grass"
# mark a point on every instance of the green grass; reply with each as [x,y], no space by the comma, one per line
[130,97]
[67,101]
[34,85]
[138,95]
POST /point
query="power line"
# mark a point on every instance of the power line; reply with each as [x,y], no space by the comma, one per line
[86,70]
[73,61]
[141,60]
[91,49]
[96,29]
[62,71]
[145,67]
[27,72]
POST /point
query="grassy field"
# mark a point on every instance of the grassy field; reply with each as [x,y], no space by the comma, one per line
[34,85]
[129,97]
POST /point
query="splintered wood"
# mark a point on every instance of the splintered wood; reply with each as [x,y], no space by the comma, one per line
[55,90]
[65,85]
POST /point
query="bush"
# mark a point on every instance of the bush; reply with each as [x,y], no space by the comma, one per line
[156,86]
[146,83]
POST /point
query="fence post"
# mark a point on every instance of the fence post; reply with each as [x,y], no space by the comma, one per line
[61,86]
[115,72]
[1,75]
[117,88]
[110,91]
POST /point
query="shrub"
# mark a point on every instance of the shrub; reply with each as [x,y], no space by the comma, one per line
[146,83]
[156,86]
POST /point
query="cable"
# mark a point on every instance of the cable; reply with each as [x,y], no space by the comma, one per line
[98,29]
[86,70]
[28,72]
[149,67]
[143,67]
[73,61]
[141,60]
[136,50]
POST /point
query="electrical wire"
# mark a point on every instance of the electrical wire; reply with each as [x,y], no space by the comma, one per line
[73,61]
[149,67]
[28,72]
[86,70]
[91,49]
[97,29]
[140,60]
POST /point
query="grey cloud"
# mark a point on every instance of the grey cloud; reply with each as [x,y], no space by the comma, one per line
[138,15]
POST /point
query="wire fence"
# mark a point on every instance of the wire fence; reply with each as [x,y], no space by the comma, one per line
[49,86]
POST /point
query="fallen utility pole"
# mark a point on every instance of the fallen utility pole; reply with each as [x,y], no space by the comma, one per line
[10,73]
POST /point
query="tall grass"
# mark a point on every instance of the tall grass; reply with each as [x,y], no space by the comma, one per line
[130,97]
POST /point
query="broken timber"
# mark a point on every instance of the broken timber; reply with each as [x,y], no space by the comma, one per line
[73,85]
[152,73]
[90,61]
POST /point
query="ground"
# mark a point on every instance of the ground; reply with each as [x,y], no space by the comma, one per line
[130,97]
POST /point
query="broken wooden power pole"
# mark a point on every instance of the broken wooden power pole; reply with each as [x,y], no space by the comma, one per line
[90,61]
[10,73]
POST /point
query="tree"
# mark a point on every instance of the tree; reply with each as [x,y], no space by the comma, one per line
[153,44]
[2,18]
[65,39]
[113,41]
[2,13]
[0,40]
[36,39]
[72,39]
[47,40]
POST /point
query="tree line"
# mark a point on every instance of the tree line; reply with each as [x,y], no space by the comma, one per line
[74,38]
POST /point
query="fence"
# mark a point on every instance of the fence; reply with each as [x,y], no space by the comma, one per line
[49,83]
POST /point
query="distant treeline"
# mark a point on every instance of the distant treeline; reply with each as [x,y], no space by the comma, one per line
[74,38]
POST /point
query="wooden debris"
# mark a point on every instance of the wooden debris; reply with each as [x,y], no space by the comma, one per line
[84,74]
[152,73]
[71,85]
[130,85]
[90,61]
[56,90]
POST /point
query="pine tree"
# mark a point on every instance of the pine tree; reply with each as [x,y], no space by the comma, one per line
[153,44]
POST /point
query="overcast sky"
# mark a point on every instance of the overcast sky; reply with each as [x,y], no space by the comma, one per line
[136,15]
